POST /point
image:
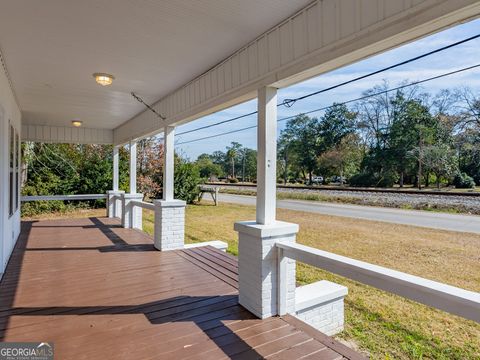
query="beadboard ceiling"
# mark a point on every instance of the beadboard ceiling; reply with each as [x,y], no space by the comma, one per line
[52,47]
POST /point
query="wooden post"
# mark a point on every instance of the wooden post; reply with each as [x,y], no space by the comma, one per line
[267,155]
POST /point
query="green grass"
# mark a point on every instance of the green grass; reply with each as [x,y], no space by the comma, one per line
[384,325]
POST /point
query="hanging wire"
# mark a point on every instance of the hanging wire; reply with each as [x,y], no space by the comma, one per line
[140,100]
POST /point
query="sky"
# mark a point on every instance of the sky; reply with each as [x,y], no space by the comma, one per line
[457,57]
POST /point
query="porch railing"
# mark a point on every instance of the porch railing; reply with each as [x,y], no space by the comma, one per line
[63,197]
[143,205]
[441,296]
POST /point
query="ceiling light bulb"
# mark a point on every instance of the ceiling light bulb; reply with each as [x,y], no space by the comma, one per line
[103,79]
[76,123]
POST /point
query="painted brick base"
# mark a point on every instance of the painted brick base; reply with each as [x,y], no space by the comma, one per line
[257,266]
[114,207]
[169,232]
[321,305]
[131,215]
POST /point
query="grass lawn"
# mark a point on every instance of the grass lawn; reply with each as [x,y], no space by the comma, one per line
[384,325]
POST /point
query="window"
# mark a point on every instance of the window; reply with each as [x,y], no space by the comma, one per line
[11,167]
[17,169]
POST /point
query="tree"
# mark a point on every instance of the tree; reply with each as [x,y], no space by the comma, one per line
[343,159]
[207,168]
[301,137]
[233,152]
[440,160]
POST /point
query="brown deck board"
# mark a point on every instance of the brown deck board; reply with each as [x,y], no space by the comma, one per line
[99,291]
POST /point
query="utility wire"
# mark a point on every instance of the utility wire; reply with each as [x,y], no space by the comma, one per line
[341,103]
[291,102]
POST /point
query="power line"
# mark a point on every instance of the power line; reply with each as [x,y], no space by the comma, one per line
[291,102]
[216,124]
[341,103]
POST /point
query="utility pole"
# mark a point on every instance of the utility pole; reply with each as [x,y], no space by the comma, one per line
[243,165]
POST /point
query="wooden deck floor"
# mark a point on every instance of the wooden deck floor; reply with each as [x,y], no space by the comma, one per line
[102,292]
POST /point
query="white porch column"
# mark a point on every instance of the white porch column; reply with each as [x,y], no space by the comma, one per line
[114,202]
[132,215]
[133,167]
[169,231]
[258,274]
[168,163]
[116,157]
[267,155]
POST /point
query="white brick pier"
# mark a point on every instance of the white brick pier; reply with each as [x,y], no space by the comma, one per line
[169,233]
[257,266]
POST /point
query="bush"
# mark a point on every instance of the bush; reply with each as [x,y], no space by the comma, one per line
[362,179]
[373,180]
[187,179]
[233,180]
[463,181]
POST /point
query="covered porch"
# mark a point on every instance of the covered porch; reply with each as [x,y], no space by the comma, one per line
[97,291]
[99,287]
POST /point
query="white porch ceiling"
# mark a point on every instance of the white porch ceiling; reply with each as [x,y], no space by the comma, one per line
[52,48]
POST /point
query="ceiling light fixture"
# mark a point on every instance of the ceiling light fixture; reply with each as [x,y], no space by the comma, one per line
[103,79]
[76,123]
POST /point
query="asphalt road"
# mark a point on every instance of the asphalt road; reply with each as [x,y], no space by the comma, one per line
[436,220]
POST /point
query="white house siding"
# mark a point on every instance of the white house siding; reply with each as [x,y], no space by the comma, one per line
[9,113]
[325,35]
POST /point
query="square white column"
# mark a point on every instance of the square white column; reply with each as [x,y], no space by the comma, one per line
[169,232]
[131,215]
[115,167]
[267,155]
[258,275]
[168,163]
[258,270]
[133,167]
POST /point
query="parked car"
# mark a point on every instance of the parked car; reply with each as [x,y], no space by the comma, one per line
[338,180]
[317,180]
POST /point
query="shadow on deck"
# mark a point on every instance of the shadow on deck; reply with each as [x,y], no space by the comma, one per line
[99,291]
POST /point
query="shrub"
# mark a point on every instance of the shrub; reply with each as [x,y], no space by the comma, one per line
[233,180]
[187,179]
[463,181]
[362,179]
[370,180]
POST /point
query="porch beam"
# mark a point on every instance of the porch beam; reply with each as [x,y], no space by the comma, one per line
[115,167]
[133,167]
[267,155]
[168,162]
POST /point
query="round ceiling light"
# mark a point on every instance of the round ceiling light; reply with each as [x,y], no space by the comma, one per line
[103,79]
[76,123]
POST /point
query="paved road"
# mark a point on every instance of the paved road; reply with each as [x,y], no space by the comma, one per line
[453,222]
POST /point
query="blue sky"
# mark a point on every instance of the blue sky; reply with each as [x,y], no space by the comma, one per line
[461,56]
